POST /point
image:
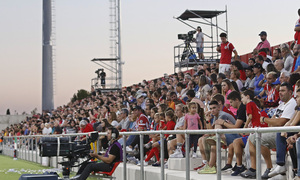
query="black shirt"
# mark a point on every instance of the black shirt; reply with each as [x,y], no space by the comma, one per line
[241,114]
[115,150]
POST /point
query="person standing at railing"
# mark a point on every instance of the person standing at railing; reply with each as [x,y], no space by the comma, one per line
[283,114]
[200,42]
[226,50]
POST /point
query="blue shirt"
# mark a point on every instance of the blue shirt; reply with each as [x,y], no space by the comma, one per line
[297,63]
[256,81]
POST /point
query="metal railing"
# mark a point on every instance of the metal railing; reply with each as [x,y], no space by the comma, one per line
[218,133]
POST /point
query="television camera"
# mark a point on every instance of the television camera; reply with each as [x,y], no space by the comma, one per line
[65,147]
[188,52]
[98,72]
[187,37]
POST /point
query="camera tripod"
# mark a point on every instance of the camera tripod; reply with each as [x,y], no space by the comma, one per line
[188,52]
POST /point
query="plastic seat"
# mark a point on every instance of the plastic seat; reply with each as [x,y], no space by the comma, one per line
[109,174]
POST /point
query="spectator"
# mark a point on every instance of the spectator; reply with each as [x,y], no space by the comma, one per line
[264,42]
[296,51]
[276,55]
[226,50]
[203,88]
[257,70]
[279,65]
[227,88]
[287,57]
[283,114]
[125,122]
[47,129]
[249,83]
[200,42]
[235,76]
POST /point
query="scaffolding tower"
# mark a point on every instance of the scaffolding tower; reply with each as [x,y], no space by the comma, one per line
[200,17]
[112,65]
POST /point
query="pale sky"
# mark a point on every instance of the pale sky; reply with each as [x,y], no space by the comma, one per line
[149,34]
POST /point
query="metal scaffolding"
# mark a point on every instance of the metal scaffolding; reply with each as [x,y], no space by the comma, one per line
[206,18]
[113,64]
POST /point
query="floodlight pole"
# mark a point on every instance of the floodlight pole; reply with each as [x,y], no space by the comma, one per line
[47,67]
[119,46]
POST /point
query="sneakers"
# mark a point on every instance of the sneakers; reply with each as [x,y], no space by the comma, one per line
[157,164]
[249,174]
[177,154]
[200,167]
[277,170]
[145,163]
[266,174]
[148,145]
[227,167]
[296,178]
[208,170]
[279,177]
[129,149]
[194,155]
[238,170]
[132,160]
[212,140]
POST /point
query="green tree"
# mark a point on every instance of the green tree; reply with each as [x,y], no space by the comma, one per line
[81,94]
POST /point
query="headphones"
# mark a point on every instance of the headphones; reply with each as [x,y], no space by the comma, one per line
[114,133]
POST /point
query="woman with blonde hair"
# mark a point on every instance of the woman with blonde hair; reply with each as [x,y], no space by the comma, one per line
[287,57]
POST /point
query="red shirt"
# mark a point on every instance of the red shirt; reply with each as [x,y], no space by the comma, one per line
[162,124]
[225,109]
[88,128]
[251,108]
[272,96]
[226,53]
[143,122]
[243,75]
[170,126]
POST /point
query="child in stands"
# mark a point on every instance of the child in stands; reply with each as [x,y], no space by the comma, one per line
[193,122]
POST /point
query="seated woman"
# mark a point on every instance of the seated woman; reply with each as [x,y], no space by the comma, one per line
[113,154]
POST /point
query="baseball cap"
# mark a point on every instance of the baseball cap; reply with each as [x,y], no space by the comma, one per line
[263,33]
[263,54]
[257,65]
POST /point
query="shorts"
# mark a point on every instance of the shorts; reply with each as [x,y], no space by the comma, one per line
[244,139]
[224,68]
[267,139]
[231,137]
[199,49]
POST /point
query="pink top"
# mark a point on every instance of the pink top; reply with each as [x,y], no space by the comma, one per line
[263,44]
[233,110]
[192,121]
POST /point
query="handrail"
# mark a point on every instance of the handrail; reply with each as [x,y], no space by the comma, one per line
[256,130]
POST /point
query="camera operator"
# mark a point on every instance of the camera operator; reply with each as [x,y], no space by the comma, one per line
[199,42]
[102,78]
[113,154]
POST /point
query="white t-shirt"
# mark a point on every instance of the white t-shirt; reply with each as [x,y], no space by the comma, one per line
[286,110]
[199,37]
[47,131]
[288,63]
[179,123]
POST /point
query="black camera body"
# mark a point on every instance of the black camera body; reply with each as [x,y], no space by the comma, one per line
[187,37]
[65,147]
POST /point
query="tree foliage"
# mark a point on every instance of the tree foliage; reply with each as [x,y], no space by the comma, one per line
[81,94]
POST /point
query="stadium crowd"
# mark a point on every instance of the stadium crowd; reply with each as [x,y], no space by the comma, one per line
[229,94]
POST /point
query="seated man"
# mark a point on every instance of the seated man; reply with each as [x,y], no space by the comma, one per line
[283,114]
[221,120]
[271,92]
[113,154]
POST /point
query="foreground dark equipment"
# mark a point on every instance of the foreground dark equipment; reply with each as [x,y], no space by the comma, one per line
[56,146]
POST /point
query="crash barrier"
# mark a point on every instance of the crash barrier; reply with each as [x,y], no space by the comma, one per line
[23,142]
